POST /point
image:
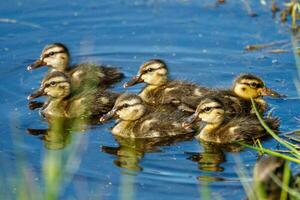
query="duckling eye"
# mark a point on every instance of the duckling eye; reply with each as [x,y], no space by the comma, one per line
[125,105]
[253,85]
[207,109]
[52,83]
[51,53]
[149,70]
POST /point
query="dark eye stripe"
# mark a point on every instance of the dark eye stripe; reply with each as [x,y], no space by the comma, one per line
[52,53]
[126,106]
[258,85]
[56,82]
[214,107]
[151,69]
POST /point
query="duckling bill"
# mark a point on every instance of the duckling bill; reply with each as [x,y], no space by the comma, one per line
[136,119]
[56,56]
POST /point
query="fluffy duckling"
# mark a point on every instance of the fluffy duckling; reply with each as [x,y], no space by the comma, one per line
[63,103]
[161,90]
[138,120]
[266,170]
[247,86]
[57,57]
[221,128]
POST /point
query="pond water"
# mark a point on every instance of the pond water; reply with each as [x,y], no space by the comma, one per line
[199,41]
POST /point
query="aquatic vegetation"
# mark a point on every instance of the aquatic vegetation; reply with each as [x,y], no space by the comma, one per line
[292,9]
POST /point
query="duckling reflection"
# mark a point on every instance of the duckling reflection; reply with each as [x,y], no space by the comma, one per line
[138,120]
[63,103]
[59,132]
[56,56]
[132,150]
[212,156]
[268,177]
[160,90]
[221,128]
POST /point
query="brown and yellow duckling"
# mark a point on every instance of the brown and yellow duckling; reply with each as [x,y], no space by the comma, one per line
[268,179]
[63,103]
[136,119]
[247,86]
[57,57]
[219,127]
[161,90]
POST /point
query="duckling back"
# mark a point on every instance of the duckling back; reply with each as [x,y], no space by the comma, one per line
[87,75]
[243,128]
[183,94]
[91,103]
[159,122]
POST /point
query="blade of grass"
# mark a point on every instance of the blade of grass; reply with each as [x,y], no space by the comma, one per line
[274,135]
[286,181]
[273,153]
[244,177]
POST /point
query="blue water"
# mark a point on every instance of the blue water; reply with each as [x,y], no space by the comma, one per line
[200,42]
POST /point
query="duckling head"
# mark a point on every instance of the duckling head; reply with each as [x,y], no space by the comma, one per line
[152,72]
[210,110]
[56,56]
[55,85]
[249,86]
[128,107]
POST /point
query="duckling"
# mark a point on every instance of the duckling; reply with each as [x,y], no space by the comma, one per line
[247,86]
[161,90]
[57,57]
[136,119]
[221,128]
[265,173]
[63,103]
[237,100]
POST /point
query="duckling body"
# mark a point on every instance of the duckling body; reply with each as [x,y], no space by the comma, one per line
[56,56]
[139,120]
[222,128]
[160,90]
[266,170]
[63,103]
[243,128]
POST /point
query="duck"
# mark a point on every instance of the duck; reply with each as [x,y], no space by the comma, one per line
[56,56]
[246,87]
[62,102]
[219,127]
[137,119]
[266,170]
[159,90]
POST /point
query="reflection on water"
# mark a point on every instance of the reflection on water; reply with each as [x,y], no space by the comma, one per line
[131,151]
[212,156]
[59,132]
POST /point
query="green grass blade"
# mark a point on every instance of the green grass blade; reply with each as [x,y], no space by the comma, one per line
[273,153]
[274,135]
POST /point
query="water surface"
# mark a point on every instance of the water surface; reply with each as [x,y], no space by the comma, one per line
[200,42]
